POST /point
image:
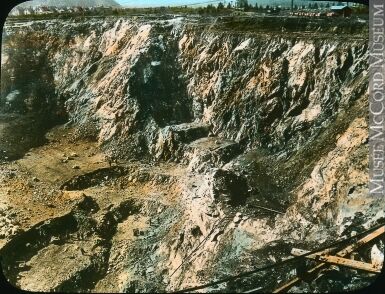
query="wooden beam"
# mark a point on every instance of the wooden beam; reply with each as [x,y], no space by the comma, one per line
[344,252]
[359,265]
[353,247]
[296,280]
[368,267]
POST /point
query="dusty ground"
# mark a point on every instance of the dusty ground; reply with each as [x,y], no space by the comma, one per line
[31,183]
[32,195]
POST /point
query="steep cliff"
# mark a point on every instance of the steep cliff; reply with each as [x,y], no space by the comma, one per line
[253,88]
[248,113]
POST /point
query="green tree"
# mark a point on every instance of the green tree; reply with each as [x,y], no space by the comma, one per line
[210,9]
[242,4]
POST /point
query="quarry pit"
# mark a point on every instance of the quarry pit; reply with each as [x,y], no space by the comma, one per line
[153,154]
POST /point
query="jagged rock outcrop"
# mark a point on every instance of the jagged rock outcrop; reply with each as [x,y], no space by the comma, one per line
[133,78]
[224,118]
[172,139]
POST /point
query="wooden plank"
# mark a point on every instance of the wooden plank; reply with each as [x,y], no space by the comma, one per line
[339,261]
[346,251]
[288,285]
[296,280]
[353,247]
[349,263]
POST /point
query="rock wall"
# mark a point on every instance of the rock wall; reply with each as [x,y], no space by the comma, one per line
[256,113]
[131,78]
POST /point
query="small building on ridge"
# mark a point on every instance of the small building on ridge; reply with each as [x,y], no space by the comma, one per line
[341,10]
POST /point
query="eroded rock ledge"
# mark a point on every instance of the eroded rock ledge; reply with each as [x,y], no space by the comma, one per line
[177,132]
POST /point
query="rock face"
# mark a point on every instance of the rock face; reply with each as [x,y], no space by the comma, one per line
[132,79]
[237,139]
[172,139]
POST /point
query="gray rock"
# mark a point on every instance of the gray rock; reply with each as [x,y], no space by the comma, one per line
[229,187]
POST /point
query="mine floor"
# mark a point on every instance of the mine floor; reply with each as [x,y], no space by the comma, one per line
[74,221]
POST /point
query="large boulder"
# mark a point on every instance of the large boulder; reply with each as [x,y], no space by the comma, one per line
[229,187]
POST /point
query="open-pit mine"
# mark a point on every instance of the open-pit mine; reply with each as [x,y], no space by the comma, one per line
[161,153]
